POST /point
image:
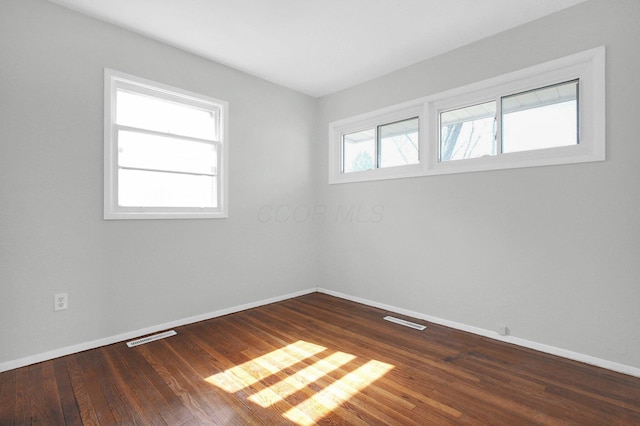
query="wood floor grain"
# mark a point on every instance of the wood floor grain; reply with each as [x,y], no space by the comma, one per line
[316,359]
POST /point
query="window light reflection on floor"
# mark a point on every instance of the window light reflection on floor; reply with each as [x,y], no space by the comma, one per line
[251,372]
[338,392]
[247,375]
[300,379]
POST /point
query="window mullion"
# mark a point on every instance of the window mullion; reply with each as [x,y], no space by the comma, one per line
[378,150]
[342,156]
[498,129]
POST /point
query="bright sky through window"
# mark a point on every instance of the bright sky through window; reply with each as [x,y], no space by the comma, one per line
[388,145]
[468,132]
[165,151]
[151,113]
[537,119]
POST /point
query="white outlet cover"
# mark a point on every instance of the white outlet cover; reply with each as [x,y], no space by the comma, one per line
[60,301]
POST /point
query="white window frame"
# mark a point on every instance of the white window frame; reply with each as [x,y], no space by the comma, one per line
[371,121]
[588,67]
[115,80]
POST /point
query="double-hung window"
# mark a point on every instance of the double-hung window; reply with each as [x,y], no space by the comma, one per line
[552,113]
[165,151]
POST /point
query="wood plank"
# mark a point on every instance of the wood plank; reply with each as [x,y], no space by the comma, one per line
[81,394]
[7,397]
[22,406]
[131,385]
[70,408]
[105,401]
[184,377]
[44,396]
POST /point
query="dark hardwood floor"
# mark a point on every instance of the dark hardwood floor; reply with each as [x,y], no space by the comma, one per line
[316,359]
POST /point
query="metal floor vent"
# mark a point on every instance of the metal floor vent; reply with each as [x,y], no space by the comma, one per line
[148,339]
[405,323]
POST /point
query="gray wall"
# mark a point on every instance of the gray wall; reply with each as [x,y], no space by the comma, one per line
[123,276]
[550,251]
[553,252]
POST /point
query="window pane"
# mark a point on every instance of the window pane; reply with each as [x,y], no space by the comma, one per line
[139,188]
[144,151]
[543,118]
[399,143]
[468,132]
[151,113]
[359,151]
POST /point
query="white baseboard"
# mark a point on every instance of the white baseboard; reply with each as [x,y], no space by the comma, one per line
[576,356]
[10,365]
[587,359]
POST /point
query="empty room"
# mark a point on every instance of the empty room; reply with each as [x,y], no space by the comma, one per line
[403,212]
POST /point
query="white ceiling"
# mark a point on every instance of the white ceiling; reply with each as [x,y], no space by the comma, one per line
[317,46]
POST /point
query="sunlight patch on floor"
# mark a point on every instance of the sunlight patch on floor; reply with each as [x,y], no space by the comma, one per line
[340,391]
[251,372]
[301,379]
[298,366]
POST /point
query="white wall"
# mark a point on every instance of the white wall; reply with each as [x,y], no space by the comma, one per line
[553,252]
[123,276]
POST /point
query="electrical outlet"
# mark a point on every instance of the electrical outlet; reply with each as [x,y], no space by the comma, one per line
[60,301]
[503,330]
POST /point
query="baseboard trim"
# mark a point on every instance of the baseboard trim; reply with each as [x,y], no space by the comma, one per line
[46,356]
[576,356]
